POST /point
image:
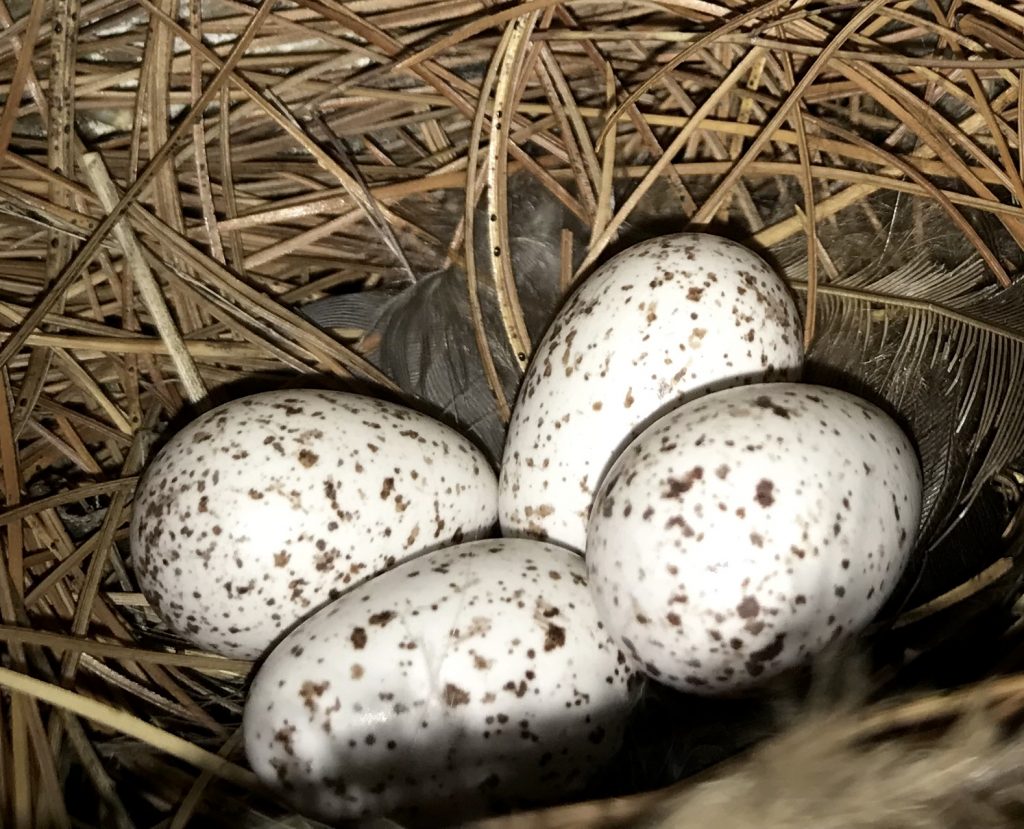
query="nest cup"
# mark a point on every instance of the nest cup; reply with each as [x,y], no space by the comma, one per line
[395,197]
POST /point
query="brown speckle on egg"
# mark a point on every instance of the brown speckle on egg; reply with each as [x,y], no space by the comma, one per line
[764,493]
[676,487]
[311,693]
[454,696]
[748,608]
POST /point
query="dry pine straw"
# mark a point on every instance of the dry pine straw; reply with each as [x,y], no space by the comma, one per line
[175,178]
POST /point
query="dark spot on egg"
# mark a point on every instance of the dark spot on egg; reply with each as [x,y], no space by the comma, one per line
[764,493]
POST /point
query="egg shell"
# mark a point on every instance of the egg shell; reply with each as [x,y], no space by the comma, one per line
[743,533]
[665,321]
[472,678]
[264,508]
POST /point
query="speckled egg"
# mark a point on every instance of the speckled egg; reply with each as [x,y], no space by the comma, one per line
[742,533]
[472,678]
[263,509]
[665,321]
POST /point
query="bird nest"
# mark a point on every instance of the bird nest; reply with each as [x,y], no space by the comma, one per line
[205,198]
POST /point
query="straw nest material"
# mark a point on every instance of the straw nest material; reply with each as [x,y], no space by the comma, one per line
[206,198]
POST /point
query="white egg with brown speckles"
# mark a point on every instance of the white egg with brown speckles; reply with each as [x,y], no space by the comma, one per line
[665,321]
[262,509]
[741,534]
[474,678]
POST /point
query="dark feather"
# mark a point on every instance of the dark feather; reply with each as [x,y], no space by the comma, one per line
[943,351]
[426,337]
[356,311]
